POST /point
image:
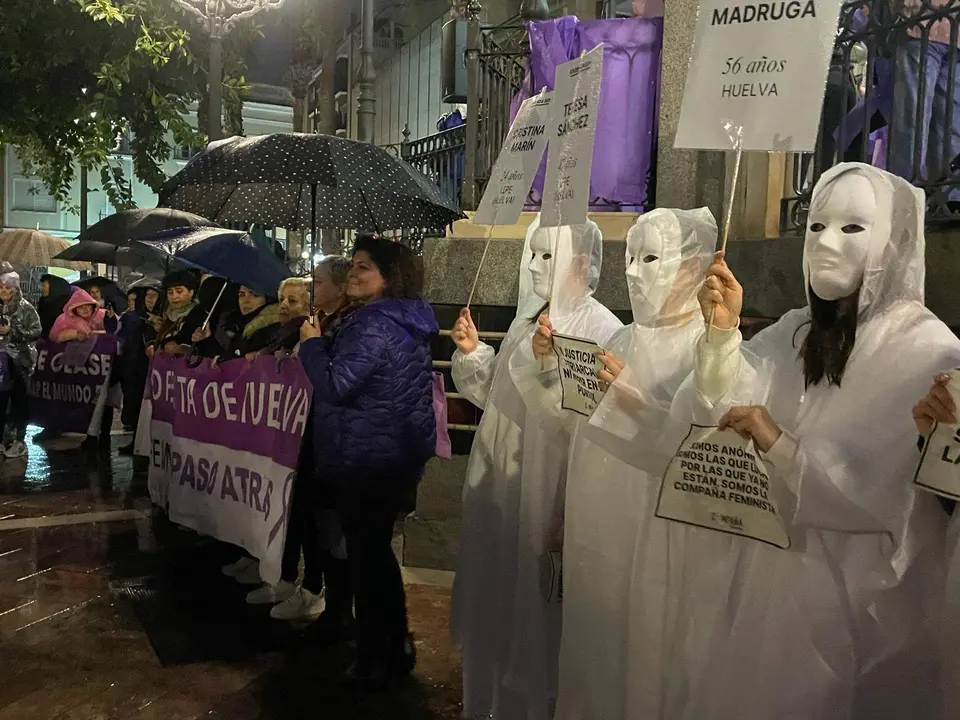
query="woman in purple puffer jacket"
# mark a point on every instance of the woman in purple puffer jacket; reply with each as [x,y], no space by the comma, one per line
[373,431]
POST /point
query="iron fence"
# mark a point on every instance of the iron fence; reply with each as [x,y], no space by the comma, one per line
[892,100]
[440,157]
[496,73]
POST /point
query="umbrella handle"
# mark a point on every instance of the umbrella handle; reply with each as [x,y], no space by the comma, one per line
[206,323]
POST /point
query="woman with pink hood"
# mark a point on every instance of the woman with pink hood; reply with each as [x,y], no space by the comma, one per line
[80,319]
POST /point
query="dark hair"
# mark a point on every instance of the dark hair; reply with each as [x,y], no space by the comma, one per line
[829,342]
[182,278]
[399,267]
[338,267]
[541,311]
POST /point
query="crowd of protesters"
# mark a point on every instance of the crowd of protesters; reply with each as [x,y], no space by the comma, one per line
[363,334]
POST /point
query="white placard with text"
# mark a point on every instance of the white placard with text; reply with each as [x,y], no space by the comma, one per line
[517,163]
[761,67]
[566,191]
[716,481]
[578,374]
[939,468]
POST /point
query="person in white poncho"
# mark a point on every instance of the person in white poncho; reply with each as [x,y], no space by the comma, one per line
[508,631]
[610,501]
[841,626]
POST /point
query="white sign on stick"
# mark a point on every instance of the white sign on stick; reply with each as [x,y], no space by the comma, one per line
[566,192]
[716,481]
[761,67]
[578,374]
[517,163]
[939,468]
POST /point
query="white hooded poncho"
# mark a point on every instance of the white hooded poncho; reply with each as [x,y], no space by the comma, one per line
[508,633]
[842,625]
[610,502]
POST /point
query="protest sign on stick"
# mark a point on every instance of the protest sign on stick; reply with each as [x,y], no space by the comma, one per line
[716,481]
[939,468]
[759,66]
[566,192]
[67,383]
[579,366]
[513,172]
[223,445]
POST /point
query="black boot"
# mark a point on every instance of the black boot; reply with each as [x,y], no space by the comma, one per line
[402,656]
[336,623]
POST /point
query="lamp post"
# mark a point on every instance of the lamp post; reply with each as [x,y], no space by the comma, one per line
[218,18]
[366,78]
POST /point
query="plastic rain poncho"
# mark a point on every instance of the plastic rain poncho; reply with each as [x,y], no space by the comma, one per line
[842,625]
[610,503]
[516,461]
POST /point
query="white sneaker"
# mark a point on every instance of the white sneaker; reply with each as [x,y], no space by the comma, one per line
[251,575]
[240,566]
[272,594]
[17,449]
[302,605]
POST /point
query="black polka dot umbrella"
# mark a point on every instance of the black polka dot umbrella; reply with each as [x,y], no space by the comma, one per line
[301,181]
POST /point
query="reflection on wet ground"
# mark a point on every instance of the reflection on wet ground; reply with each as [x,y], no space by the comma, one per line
[108,613]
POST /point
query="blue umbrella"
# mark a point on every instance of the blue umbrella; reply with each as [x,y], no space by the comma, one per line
[229,254]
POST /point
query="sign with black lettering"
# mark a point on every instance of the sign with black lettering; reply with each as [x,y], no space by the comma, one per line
[939,468]
[578,374]
[566,192]
[517,163]
[716,481]
[760,68]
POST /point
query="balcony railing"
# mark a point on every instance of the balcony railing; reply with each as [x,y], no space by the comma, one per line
[440,157]
[892,100]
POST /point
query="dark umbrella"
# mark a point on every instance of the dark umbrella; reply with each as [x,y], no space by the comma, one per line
[126,225]
[300,181]
[229,254]
[94,251]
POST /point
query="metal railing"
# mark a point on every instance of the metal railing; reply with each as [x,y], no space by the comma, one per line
[461,159]
[892,100]
[440,157]
[499,73]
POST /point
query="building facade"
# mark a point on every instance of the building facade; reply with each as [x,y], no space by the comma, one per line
[27,204]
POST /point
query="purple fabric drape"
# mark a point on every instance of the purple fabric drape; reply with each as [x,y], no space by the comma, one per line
[629,99]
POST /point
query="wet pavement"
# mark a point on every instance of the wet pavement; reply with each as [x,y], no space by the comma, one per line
[107,612]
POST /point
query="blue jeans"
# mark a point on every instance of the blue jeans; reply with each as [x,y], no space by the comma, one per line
[937,143]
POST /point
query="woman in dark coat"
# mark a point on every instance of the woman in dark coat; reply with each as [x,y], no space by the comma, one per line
[54,292]
[134,333]
[373,431]
[244,332]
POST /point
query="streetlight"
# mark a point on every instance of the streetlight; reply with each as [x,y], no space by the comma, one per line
[218,18]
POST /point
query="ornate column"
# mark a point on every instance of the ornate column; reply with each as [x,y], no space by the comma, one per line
[366,77]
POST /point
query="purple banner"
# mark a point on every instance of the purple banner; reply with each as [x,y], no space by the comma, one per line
[223,444]
[258,407]
[63,395]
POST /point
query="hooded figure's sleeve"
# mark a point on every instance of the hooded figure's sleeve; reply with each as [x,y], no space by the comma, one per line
[473,373]
[340,371]
[537,380]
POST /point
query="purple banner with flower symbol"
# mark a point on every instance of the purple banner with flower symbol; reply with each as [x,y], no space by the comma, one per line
[68,380]
[223,442]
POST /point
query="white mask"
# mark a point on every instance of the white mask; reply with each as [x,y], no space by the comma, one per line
[653,260]
[543,247]
[838,237]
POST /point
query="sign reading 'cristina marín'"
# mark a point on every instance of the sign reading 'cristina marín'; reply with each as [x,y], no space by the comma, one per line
[763,12]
